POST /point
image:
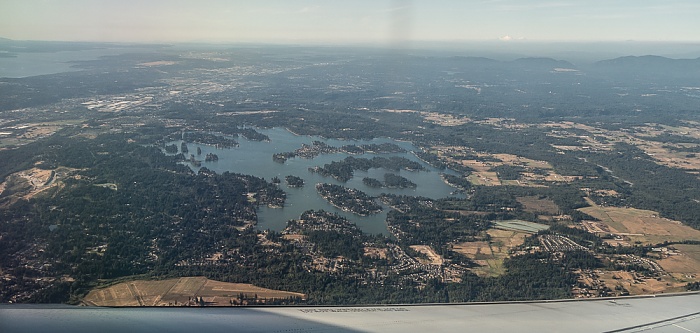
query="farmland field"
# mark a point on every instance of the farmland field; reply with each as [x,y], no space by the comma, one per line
[686,263]
[490,262]
[490,255]
[182,291]
[638,285]
[534,204]
[641,225]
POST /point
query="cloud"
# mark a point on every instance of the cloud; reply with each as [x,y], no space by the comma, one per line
[508,38]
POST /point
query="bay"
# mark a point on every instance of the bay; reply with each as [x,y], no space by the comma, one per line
[26,64]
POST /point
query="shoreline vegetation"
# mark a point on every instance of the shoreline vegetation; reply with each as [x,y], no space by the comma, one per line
[317,148]
[348,199]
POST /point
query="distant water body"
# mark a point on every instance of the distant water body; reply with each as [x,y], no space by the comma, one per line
[255,158]
[27,64]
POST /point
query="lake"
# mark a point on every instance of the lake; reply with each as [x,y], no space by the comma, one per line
[255,158]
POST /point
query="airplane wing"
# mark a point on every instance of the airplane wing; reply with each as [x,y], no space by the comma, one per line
[664,313]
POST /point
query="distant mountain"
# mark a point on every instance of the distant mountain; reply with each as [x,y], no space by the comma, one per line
[479,60]
[652,65]
[644,61]
[543,62]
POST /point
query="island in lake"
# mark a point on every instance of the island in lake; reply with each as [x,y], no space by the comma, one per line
[348,199]
[294,181]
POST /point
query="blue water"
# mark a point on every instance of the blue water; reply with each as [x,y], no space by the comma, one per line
[255,158]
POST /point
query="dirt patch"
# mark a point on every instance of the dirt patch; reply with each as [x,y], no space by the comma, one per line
[28,183]
[293,237]
[433,257]
[376,252]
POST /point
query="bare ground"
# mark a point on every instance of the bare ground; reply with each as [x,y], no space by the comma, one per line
[433,257]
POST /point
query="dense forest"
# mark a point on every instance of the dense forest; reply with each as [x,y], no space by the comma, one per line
[158,212]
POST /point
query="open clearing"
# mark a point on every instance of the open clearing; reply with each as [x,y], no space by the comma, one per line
[483,175]
[375,252]
[515,160]
[535,204]
[444,119]
[433,257]
[486,178]
[641,225]
[670,158]
[482,253]
[660,152]
[686,263]
[22,134]
[518,225]
[504,240]
[638,285]
[28,183]
[179,292]
[490,255]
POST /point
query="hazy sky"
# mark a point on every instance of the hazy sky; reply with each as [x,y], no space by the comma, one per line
[379,21]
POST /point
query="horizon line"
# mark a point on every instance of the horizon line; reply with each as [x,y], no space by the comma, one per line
[402,43]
